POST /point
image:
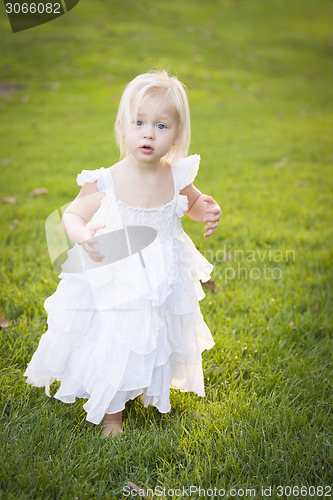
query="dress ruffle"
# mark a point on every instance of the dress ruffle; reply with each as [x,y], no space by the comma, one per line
[94,351]
[132,326]
[91,176]
[186,170]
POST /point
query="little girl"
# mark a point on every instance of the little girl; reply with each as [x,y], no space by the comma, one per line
[125,319]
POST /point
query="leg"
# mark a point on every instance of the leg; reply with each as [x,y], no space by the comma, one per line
[112,424]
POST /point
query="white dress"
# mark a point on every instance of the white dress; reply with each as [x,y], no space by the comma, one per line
[132,326]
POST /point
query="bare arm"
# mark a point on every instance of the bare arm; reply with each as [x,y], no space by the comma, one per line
[78,214]
[202,208]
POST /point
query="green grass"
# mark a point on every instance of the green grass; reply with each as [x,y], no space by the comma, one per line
[259,80]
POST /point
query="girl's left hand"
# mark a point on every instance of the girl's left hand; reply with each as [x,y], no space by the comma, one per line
[213,212]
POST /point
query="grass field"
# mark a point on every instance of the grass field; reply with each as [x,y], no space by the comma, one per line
[259,80]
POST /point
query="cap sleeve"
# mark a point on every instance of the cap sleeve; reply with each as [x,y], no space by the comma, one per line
[186,171]
[92,176]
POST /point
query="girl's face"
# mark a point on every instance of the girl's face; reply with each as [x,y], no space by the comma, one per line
[151,135]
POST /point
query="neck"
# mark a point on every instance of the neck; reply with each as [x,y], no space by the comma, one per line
[143,167]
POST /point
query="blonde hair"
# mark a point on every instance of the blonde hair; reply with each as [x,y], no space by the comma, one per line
[164,85]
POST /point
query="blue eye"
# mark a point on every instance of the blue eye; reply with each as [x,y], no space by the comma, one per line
[139,123]
[161,126]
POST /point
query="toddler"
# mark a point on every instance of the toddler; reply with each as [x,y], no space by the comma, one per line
[125,320]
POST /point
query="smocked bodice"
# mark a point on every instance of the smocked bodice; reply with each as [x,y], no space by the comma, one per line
[165,219]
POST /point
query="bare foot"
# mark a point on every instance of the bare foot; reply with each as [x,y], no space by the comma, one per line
[112,424]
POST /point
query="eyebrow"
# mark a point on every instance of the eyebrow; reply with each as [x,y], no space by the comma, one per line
[161,117]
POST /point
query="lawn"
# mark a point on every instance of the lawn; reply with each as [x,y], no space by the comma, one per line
[259,82]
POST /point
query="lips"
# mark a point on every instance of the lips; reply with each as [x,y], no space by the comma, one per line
[147,149]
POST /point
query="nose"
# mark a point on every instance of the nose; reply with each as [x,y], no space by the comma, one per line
[149,132]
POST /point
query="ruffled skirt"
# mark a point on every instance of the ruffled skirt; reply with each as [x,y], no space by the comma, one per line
[128,328]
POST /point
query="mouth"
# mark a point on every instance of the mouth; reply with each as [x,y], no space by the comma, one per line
[146,148]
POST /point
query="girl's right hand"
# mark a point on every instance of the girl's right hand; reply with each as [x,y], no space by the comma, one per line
[88,244]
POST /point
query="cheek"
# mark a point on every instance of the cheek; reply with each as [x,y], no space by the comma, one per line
[173,137]
[130,135]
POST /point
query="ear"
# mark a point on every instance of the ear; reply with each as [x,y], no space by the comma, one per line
[120,129]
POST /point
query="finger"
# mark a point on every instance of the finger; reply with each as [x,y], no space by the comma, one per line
[91,243]
[207,198]
[211,226]
[212,223]
[209,233]
[213,210]
[96,254]
[213,215]
[94,251]
[209,201]
[95,259]
[91,251]
[212,219]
